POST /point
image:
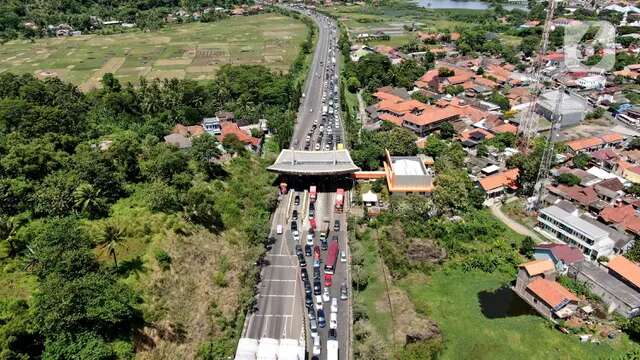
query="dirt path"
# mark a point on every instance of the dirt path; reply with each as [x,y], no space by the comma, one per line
[514,225]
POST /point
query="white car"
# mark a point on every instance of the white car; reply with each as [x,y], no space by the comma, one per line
[334,305]
[317,147]
[310,239]
[343,257]
[333,321]
[296,238]
[319,302]
[295,232]
[316,346]
[279,229]
[325,294]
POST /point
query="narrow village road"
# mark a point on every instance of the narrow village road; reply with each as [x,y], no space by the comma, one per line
[514,225]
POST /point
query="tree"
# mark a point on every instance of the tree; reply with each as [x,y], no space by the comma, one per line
[233,144]
[398,140]
[110,83]
[581,160]
[526,247]
[568,179]
[445,72]
[205,149]
[529,45]
[453,90]
[451,194]
[87,200]
[353,84]
[447,131]
[112,238]
[500,100]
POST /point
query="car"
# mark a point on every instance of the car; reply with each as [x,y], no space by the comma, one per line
[316,263]
[317,288]
[296,237]
[312,314]
[304,274]
[314,327]
[317,147]
[327,147]
[307,147]
[318,302]
[308,300]
[307,288]
[325,295]
[308,250]
[302,261]
[298,249]
[316,274]
[343,292]
[328,280]
[333,321]
[334,305]
[316,346]
[333,334]
[310,238]
[324,244]
[311,110]
[279,229]
[321,319]
[312,211]
[294,215]
[336,225]
[343,256]
[294,228]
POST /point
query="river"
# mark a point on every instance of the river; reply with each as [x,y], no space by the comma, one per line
[466,4]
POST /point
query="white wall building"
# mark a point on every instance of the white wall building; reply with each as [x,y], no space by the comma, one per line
[572,229]
[592,82]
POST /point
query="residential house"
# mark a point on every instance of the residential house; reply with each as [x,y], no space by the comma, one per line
[609,190]
[229,128]
[607,284]
[536,285]
[606,158]
[591,237]
[562,255]
[518,95]
[631,173]
[584,196]
[359,51]
[630,71]
[624,217]
[212,125]
[497,185]
[395,56]
[594,143]
[181,135]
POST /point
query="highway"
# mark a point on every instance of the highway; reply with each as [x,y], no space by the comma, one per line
[280,311]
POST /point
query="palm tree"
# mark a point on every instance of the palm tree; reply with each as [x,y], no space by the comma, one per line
[7,231]
[86,197]
[112,238]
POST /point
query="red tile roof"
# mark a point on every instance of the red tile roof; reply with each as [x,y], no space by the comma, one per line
[468,134]
[506,178]
[585,196]
[396,120]
[605,155]
[401,107]
[381,95]
[552,293]
[568,254]
[586,143]
[625,216]
[537,267]
[431,115]
[626,269]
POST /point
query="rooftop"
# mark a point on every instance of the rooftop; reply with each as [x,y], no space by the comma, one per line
[612,285]
[565,253]
[407,166]
[626,269]
[537,267]
[575,222]
[314,162]
[551,292]
[505,178]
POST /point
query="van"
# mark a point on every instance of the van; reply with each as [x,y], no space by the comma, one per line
[279,229]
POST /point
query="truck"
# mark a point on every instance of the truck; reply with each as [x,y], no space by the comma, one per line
[339,200]
[332,349]
[332,257]
[312,193]
[324,230]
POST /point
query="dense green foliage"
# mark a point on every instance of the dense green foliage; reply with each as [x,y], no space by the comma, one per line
[67,158]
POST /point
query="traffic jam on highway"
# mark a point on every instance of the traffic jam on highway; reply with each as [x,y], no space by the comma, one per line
[325,131]
[319,256]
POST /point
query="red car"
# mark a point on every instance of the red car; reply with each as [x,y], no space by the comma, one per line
[316,252]
[328,278]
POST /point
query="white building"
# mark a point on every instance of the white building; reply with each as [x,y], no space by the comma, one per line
[592,82]
[570,228]
[212,125]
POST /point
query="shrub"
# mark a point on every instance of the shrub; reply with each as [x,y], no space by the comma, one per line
[163,259]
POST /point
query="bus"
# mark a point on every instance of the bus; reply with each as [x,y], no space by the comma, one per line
[339,200]
[332,257]
[312,193]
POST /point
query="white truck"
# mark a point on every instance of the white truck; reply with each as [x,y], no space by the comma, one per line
[332,349]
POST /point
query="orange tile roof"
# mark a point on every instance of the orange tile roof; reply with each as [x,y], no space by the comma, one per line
[455,36]
[229,127]
[381,95]
[401,107]
[537,267]
[623,165]
[613,137]
[505,128]
[396,120]
[498,72]
[486,82]
[518,92]
[581,144]
[626,269]
[431,115]
[552,293]
[504,178]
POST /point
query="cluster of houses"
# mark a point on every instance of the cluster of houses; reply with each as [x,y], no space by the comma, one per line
[222,126]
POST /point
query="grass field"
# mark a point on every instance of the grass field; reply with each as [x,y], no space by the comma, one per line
[461,305]
[191,51]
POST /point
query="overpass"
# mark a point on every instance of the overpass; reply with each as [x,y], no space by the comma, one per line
[306,163]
